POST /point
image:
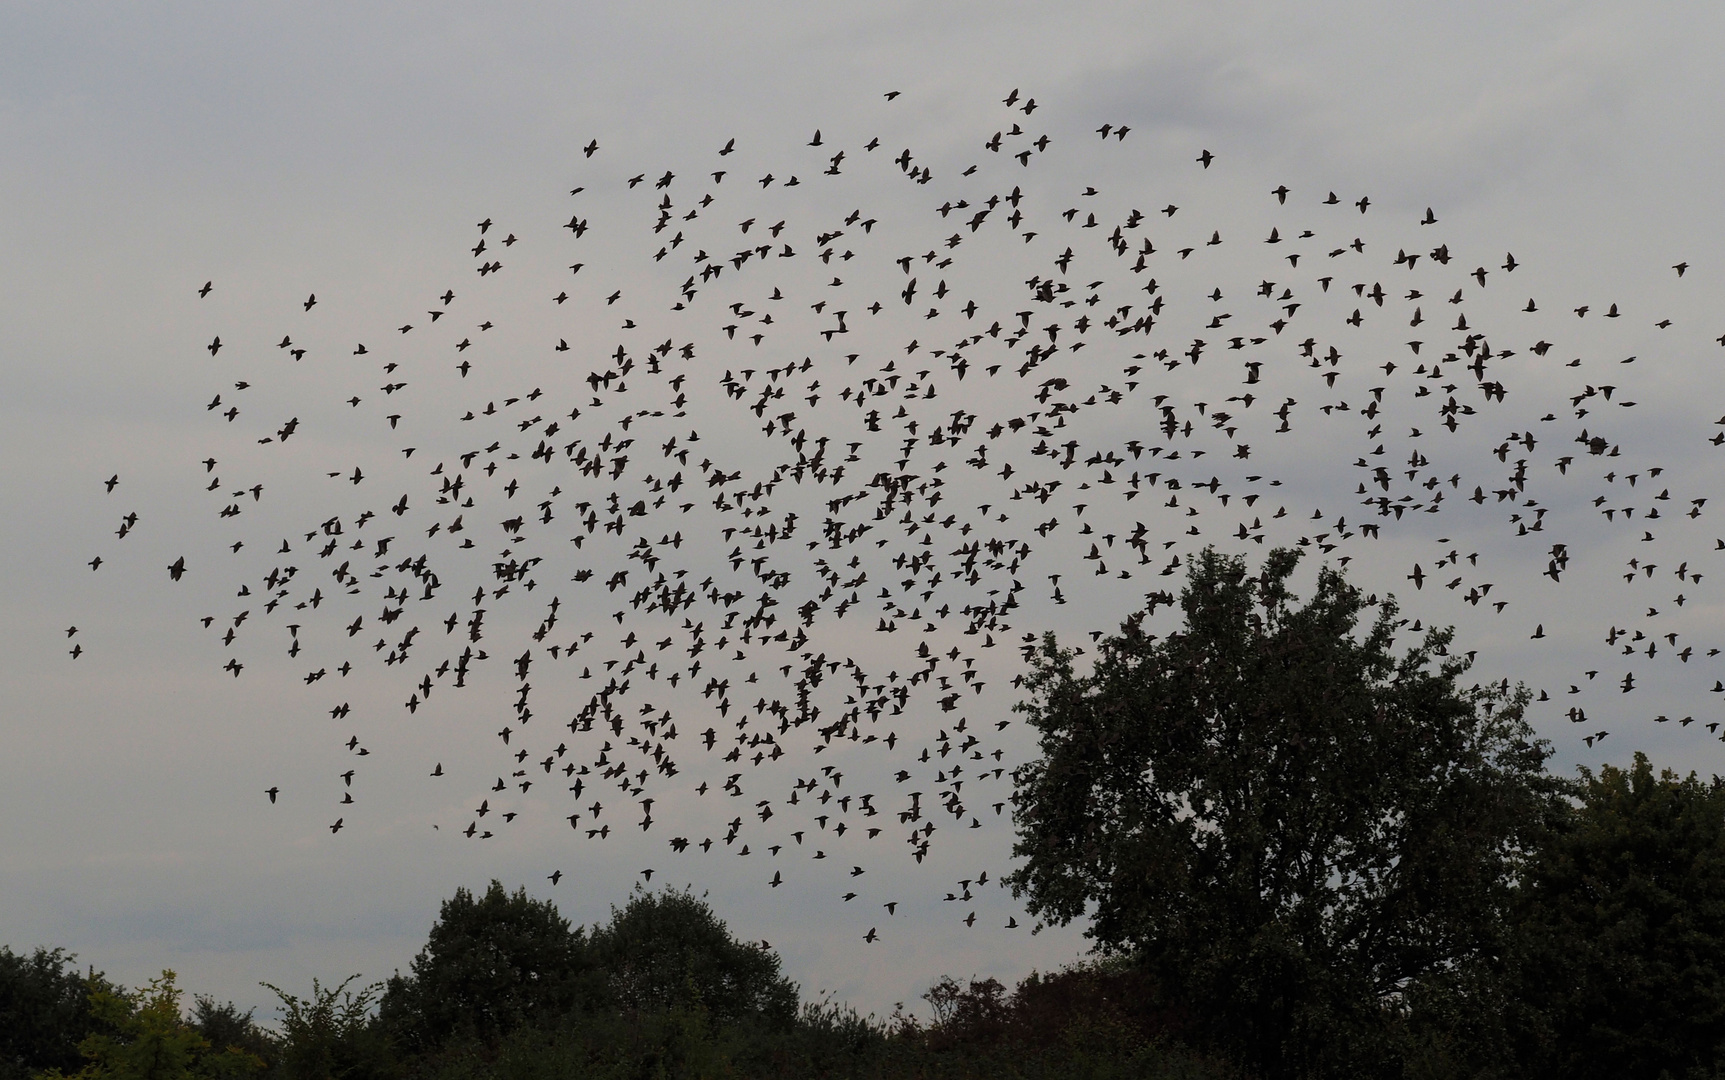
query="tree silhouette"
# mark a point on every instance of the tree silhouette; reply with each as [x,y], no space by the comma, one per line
[1286,825]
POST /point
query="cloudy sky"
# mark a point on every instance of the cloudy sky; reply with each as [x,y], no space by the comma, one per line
[348,151]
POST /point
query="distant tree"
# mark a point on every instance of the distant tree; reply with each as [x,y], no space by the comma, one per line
[224,1025]
[669,949]
[146,1038]
[1623,914]
[44,1011]
[1285,824]
[491,964]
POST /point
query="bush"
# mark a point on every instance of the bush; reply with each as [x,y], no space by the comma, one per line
[332,1034]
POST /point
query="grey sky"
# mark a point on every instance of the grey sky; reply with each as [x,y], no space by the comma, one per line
[280,150]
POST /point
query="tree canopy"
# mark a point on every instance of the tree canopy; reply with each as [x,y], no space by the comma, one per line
[44,1011]
[1283,821]
[667,949]
[490,964]
[142,1036]
[502,961]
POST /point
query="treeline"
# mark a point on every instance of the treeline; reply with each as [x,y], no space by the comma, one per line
[1614,966]
[505,987]
[1300,855]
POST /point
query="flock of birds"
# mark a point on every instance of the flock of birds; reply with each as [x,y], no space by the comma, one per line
[749,559]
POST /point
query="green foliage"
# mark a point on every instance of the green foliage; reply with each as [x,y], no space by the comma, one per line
[1623,916]
[490,965]
[668,950]
[44,1011]
[1284,823]
[331,1035]
[146,1038]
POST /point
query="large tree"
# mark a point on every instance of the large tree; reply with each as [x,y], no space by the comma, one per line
[669,949]
[1287,824]
[492,963]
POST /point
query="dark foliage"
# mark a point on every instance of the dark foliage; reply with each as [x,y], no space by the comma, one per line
[1623,917]
[1109,1015]
[492,964]
[666,950]
[1117,998]
[333,1035]
[44,1012]
[1303,856]
[832,1042]
[1285,824]
[225,1026]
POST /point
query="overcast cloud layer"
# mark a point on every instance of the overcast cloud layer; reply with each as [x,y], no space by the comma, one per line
[284,150]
